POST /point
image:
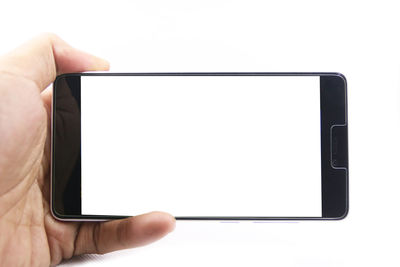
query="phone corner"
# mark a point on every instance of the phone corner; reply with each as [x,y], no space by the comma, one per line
[342,216]
[54,212]
[59,77]
[341,76]
[65,75]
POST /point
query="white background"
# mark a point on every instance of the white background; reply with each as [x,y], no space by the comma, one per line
[201,146]
[358,38]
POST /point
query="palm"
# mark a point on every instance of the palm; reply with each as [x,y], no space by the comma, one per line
[36,236]
[29,235]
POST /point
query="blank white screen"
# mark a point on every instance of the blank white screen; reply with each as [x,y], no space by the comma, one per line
[201,145]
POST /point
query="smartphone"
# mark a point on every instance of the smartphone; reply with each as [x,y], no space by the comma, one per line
[201,146]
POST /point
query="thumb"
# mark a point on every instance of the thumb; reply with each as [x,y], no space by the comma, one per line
[132,232]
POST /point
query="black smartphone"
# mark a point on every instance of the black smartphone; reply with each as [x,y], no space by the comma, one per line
[201,146]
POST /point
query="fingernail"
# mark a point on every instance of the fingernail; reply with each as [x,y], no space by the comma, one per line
[101,64]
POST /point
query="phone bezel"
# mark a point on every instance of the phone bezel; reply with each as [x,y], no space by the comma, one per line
[335,189]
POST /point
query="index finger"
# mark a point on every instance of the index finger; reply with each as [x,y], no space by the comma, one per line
[43,58]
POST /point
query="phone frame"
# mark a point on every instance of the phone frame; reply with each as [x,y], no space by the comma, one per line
[335,180]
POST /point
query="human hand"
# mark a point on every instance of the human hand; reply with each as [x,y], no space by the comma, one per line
[29,235]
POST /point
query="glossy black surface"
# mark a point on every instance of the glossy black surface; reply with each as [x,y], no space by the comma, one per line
[334,147]
[66,152]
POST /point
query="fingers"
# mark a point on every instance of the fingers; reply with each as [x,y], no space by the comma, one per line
[46,56]
[122,234]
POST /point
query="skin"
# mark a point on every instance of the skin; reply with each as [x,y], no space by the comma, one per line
[29,235]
